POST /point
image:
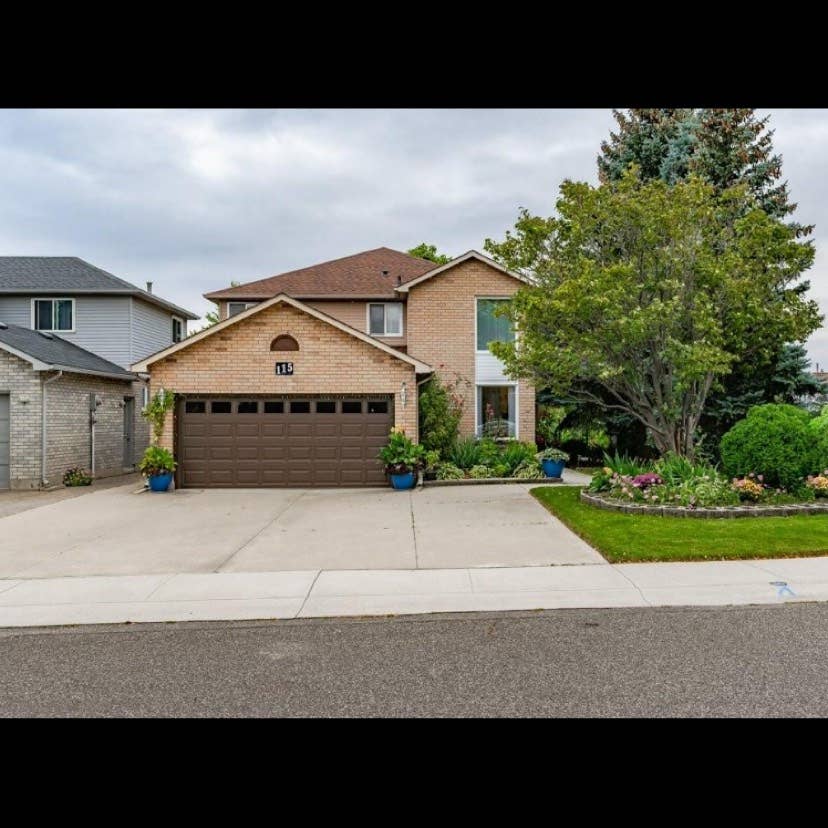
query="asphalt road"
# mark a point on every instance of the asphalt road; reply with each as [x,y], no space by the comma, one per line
[756,661]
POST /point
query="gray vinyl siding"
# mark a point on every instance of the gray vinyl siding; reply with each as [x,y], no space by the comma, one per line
[102,326]
[16,310]
[121,329]
[151,329]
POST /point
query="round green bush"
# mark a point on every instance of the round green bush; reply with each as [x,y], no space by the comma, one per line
[819,434]
[775,441]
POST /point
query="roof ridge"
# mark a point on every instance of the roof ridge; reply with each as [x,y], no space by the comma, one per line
[253,283]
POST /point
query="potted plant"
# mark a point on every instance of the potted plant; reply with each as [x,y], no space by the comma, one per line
[552,461]
[158,465]
[402,459]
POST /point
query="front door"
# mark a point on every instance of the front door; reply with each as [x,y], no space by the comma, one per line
[129,432]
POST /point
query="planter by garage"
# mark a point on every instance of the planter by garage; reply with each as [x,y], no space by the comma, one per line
[403,481]
[160,482]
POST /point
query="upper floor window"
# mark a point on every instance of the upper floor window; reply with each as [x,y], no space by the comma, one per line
[385,319]
[491,328]
[53,314]
[177,329]
[237,307]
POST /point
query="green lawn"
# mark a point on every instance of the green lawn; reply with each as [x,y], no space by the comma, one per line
[622,538]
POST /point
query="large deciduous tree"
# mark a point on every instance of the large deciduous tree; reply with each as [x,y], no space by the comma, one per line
[429,251]
[725,147]
[645,294]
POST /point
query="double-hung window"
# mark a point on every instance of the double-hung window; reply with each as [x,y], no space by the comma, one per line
[177,329]
[491,328]
[385,319]
[53,314]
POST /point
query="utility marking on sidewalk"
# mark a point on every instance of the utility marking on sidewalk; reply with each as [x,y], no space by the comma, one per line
[783,589]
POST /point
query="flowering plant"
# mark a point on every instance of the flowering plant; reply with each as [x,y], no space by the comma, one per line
[749,488]
[819,484]
[644,481]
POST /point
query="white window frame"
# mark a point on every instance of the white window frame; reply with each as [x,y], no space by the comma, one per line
[369,305]
[510,384]
[246,306]
[178,319]
[488,299]
[36,299]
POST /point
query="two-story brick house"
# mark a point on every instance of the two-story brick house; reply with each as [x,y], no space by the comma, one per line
[302,378]
[69,333]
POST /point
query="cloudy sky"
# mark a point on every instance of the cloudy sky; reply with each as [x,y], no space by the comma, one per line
[194,199]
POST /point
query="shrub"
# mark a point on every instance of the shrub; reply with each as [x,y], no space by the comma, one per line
[480,471]
[515,453]
[488,452]
[774,440]
[448,471]
[401,455]
[441,407]
[529,469]
[76,476]
[621,464]
[464,453]
[818,427]
[157,460]
[674,469]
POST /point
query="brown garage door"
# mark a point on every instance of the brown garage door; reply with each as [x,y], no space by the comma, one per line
[287,441]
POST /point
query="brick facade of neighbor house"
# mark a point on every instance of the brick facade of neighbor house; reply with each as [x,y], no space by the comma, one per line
[68,434]
[238,360]
[22,384]
[441,315]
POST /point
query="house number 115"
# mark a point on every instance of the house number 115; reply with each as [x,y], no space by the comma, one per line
[283,368]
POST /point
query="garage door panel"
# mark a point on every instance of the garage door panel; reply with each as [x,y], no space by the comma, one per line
[282,449]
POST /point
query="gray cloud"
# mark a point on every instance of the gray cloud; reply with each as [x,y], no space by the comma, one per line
[192,199]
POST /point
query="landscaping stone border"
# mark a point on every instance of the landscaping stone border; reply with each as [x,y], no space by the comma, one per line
[745,511]
[489,481]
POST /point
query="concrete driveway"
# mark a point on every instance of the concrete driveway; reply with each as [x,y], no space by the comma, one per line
[120,532]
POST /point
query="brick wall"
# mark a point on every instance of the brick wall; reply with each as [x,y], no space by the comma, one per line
[22,383]
[238,360]
[68,434]
[67,423]
[441,331]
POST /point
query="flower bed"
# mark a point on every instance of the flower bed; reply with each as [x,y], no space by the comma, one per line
[737,511]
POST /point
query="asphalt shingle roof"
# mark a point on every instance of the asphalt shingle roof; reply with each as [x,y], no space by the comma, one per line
[55,351]
[69,274]
[358,276]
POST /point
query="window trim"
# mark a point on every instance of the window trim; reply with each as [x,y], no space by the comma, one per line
[503,384]
[173,320]
[369,305]
[476,301]
[53,299]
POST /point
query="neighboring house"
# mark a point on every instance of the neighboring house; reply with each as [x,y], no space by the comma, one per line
[301,379]
[69,332]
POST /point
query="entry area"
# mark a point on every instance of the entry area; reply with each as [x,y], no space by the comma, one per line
[285,442]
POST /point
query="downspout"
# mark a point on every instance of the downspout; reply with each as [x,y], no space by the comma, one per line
[43,480]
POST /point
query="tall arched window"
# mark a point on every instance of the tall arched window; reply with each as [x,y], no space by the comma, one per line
[284,342]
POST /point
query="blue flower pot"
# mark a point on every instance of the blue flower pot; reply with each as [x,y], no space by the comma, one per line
[160,482]
[553,468]
[403,481]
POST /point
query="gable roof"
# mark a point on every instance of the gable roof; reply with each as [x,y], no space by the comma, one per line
[357,276]
[472,254]
[50,352]
[143,365]
[70,275]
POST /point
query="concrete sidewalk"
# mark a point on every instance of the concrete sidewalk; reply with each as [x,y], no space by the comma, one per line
[318,593]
